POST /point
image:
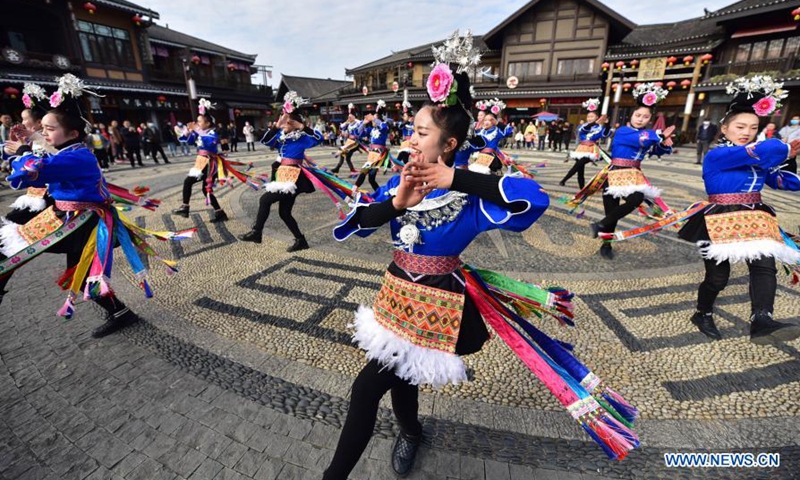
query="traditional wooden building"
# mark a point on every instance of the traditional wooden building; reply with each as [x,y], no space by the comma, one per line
[320,92]
[116,48]
[762,37]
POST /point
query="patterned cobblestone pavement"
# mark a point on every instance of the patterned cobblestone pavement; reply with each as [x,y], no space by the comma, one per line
[241,367]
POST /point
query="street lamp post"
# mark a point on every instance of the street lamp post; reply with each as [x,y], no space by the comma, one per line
[191,89]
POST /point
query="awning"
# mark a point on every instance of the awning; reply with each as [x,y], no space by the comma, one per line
[257,106]
[101,86]
[752,32]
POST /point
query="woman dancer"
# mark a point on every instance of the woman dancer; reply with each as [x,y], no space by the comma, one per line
[589,134]
[350,131]
[82,223]
[435,211]
[377,129]
[491,159]
[292,138]
[734,225]
[626,187]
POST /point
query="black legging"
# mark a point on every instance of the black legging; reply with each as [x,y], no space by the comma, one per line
[155,149]
[763,283]
[187,190]
[369,387]
[615,212]
[373,172]
[580,169]
[131,151]
[285,205]
[345,157]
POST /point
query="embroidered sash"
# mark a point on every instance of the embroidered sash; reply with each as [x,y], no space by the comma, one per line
[626,177]
[484,159]
[287,173]
[426,316]
[742,226]
[200,162]
[40,226]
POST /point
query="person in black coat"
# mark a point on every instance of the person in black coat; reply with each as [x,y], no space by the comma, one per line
[705,135]
[132,143]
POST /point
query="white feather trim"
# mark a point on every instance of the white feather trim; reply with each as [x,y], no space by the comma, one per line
[281,187]
[27,202]
[195,172]
[575,155]
[622,192]
[474,167]
[746,251]
[11,241]
[414,364]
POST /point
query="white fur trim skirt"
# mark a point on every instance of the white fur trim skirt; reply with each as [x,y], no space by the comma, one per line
[27,202]
[649,191]
[474,167]
[281,187]
[746,251]
[195,173]
[414,364]
[11,241]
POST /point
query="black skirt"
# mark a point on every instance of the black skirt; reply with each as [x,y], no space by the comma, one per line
[472,333]
[695,229]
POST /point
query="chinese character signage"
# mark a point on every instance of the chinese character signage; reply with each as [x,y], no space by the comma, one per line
[652,69]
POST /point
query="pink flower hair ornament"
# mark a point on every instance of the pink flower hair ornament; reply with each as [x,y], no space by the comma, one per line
[56,99]
[441,84]
[765,106]
[650,99]
[27,101]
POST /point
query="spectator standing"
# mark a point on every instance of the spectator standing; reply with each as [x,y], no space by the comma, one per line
[117,142]
[168,138]
[153,136]
[705,135]
[768,132]
[5,127]
[182,134]
[133,146]
[224,137]
[541,132]
[249,136]
[234,137]
[566,134]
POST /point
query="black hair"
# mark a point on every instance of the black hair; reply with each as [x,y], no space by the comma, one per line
[454,121]
[295,115]
[648,107]
[728,118]
[70,120]
[36,112]
[209,118]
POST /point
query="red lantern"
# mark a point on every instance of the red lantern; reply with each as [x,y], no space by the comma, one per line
[796,13]
[137,19]
[687,60]
[395,87]
[686,83]
[410,64]
[707,58]
[364,90]
[636,85]
[161,99]
[659,84]
[671,84]
[231,67]
[195,59]
[671,61]
[398,105]
[90,7]
[316,106]
[237,112]
[626,86]
[369,107]
[634,63]
[11,92]
[605,66]
[620,65]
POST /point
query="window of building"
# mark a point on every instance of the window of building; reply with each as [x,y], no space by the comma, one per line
[106,45]
[576,66]
[792,47]
[525,69]
[743,52]
[775,48]
[759,50]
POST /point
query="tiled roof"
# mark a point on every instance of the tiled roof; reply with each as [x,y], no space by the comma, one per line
[419,53]
[128,6]
[751,7]
[308,87]
[100,85]
[158,33]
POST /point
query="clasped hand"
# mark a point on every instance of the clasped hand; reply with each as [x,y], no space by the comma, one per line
[418,178]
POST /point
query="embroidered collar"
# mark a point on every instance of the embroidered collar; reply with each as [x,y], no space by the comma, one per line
[292,136]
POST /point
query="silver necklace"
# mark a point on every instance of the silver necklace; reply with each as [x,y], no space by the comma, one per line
[428,215]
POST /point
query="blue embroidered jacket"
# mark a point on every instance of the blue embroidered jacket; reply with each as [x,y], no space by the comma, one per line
[205,140]
[470,146]
[476,216]
[71,174]
[745,169]
[494,135]
[593,132]
[379,133]
[408,129]
[294,144]
[633,144]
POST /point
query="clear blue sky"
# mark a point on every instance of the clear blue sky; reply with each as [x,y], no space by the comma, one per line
[320,38]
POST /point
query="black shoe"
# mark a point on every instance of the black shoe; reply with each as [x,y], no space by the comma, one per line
[562,183]
[606,251]
[766,331]
[115,323]
[596,227]
[705,323]
[299,244]
[251,236]
[167,161]
[219,216]
[183,211]
[404,453]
